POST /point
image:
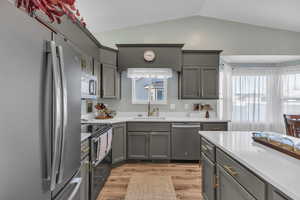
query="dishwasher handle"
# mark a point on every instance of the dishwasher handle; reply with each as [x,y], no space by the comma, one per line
[186,126]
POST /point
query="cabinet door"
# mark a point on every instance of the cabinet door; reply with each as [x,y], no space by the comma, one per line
[208,179]
[229,189]
[138,145]
[190,83]
[97,73]
[85,175]
[185,143]
[119,143]
[87,64]
[109,81]
[159,145]
[209,83]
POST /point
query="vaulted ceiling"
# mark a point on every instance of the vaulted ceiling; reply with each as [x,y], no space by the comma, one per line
[105,15]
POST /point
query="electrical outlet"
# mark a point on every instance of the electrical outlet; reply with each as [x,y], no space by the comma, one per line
[172,106]
[186,106]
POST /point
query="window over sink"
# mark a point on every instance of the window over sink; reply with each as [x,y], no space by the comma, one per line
[149,85]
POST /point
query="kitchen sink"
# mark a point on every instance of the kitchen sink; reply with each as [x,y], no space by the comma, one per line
[150,118]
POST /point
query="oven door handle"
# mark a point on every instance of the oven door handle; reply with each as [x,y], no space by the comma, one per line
[95,141]
[77,182]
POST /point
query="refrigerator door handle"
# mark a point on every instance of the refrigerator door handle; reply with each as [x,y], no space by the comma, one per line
[76,181]
[57,101]
[65,111]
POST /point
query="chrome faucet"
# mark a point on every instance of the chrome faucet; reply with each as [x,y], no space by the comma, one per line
[149,109]
[154,111]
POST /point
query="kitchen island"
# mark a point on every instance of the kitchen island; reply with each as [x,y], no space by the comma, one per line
[236,166]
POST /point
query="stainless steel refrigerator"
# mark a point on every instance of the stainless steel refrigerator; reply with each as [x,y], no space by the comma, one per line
[39,110]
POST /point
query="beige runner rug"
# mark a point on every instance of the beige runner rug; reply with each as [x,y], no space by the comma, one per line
[148,187]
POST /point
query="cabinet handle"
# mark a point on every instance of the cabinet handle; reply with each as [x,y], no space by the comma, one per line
[216,181]
[231,170]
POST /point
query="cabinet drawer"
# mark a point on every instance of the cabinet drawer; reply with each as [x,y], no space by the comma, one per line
[148,127]
[247,179]
[208,149]
[215,126]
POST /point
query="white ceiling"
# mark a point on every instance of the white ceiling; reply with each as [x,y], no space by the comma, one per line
[104,15]
[260,59]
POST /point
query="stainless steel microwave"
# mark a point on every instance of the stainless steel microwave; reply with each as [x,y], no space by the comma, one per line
[88,86]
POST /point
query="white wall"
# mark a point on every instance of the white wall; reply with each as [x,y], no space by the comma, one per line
[208,33]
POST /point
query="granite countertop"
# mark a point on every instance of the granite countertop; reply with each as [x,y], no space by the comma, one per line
[280,170]
[159,119]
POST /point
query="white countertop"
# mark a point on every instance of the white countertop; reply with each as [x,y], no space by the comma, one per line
[165,119]
[280,170]
[84,136]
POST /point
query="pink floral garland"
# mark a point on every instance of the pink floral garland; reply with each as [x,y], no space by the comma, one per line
[54,9]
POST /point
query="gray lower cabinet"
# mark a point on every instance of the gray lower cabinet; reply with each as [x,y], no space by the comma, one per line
[119,143]
[229,189]
[85,175]
[185,141]
[138,146]
[148,145]
[208,179]
[159,145]
[110,82]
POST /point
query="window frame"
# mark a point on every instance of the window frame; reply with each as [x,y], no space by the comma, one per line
[142,102]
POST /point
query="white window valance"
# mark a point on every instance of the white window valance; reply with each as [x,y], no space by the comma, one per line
[161,73]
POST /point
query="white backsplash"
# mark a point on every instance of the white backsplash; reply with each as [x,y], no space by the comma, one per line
[182,107]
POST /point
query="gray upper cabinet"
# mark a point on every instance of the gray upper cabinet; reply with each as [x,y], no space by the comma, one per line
[79,36]
[209,58]
[97,73]
[109,81]
[87,64]
[138,145]
[191,84]
[159,145]
[208,180]
[209,83]
[110,76]
[166,55]
[229,189]
[200,75]
[119,143]
[108,55]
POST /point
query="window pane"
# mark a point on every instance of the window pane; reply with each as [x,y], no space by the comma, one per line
[141,88]
[149,88]
[249,98]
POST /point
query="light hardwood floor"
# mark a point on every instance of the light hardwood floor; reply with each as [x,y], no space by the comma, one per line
[186,179]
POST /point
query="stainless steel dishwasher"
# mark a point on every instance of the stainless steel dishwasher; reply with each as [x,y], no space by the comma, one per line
[185,141]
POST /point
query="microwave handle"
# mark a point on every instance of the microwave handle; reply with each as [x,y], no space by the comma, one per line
[92,87]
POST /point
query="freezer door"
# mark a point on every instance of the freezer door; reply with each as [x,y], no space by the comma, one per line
[69,62]
[71,191]
[24,170]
